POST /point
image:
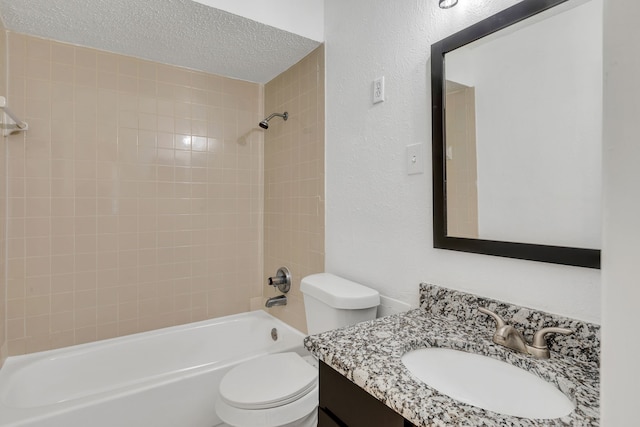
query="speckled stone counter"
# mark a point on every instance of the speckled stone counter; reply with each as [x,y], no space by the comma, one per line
[369,354]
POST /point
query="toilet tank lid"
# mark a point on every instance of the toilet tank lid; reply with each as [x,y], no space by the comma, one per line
[338,292]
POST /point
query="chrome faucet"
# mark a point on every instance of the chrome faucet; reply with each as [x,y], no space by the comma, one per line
[508,336]
[282,280]
[273,301]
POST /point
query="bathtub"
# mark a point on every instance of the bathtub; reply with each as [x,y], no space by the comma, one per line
[168,377]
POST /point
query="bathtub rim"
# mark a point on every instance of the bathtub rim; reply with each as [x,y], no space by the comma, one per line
[86,347]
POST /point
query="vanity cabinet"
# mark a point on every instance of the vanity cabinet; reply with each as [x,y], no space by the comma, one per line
[344,404]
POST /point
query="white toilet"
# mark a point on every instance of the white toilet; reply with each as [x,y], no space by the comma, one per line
[281,390]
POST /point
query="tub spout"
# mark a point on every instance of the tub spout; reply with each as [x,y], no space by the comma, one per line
[273,301]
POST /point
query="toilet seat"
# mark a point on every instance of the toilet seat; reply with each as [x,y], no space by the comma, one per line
[268,381]
[273,390]
[301,413]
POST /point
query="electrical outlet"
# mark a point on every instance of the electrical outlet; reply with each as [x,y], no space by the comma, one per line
[378,90]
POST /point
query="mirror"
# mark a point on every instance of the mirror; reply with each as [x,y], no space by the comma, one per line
[517,113]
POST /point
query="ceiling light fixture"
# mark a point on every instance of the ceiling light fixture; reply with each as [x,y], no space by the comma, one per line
[446,4]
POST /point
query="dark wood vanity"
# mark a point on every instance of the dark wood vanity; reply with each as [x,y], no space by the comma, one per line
[344,404]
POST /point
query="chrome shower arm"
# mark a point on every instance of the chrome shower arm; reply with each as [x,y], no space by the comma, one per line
[285,116]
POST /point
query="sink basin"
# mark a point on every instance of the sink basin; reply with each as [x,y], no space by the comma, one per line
[487,383]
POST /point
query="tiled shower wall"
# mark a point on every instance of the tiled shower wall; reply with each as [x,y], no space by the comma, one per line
[3,201]
[135,199]
[294,180]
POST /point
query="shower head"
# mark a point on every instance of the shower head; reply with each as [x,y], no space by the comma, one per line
[265,123]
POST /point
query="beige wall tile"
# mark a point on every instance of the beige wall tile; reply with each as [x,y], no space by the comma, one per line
[149,211]
[294,180]
[109,226]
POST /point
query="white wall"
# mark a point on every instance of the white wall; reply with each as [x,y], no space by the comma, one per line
[621,233]
[550,146]
[379,226]
[302,17]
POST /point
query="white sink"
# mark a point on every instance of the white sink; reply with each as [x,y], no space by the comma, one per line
[487,383]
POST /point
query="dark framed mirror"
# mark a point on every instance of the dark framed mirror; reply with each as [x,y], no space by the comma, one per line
[516,134]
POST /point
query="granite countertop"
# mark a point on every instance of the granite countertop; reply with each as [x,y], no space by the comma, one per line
[369,354]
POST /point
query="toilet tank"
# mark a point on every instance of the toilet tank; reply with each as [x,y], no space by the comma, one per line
[332,302]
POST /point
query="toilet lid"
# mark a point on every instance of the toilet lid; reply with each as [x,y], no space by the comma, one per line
[268,381]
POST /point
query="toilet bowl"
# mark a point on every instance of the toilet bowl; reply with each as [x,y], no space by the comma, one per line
[281,390]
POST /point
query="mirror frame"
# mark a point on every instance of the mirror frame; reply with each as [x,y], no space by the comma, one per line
[545,253]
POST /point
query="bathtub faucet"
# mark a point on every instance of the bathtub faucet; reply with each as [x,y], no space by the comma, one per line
[273,301]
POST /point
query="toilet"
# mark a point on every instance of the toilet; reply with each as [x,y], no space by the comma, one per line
[281,390]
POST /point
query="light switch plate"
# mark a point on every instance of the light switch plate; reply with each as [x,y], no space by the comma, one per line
[378,90]
[450,152]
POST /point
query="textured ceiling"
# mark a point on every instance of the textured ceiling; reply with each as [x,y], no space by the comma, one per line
[177,32]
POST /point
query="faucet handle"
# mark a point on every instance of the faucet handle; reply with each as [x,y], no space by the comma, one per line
[538,347]
[282,280]
[499,320]
[539,340]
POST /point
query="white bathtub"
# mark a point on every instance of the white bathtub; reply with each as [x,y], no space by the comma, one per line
[168,377]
